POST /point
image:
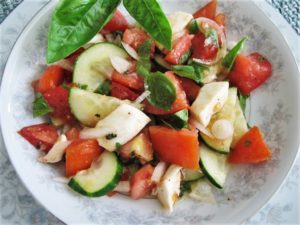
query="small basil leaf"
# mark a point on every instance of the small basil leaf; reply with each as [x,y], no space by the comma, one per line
[144,64]
[232,54]
[40,106]
[185,57]
[162,90]
[74,23]
[104,88]
[82,86]
[178,120]
[151,17]
[193,71]
[193,27]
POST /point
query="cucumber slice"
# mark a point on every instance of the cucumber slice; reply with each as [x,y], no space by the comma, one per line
[90,107]
[161,62]
[102,177]
[93,66]
[214,166]
[227,113]
[240,124]
[191,175]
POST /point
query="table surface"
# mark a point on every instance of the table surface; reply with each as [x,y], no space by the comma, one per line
[18,206]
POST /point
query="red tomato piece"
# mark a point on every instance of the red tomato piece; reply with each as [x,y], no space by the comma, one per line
[117,23]
[122,92]
[140,183]
[80,154]
[249,72]
[135,37]
[51,78]
[220,19]
[190,88]
[179,104]
[58,100]
[201,50]
[42,136]
[73,134]
[180,147]
[180,47]
[130,80]
[208,11]
[251,148]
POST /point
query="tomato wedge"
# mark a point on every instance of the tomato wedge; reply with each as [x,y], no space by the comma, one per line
[51,78]
[208,11]
[179,104]
[249,72]
[179,147]
[190,88]
[122,92]
[140,183]
[42,136]
[73,134]
[220,19]
[201,50]
[80,154]
[58,100]
[251,148]
[117,23]
[130,80]
[180,47]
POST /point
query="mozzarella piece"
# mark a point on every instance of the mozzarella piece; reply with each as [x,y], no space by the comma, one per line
[56,153]
[124,123]
[222,129]
[179,21]
[169,189]
[211,99]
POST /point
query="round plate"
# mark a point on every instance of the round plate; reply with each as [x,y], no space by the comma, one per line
[275,108]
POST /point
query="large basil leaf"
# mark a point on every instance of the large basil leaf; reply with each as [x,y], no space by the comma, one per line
[74,23]
[162,90]
[150,16]
[232,54]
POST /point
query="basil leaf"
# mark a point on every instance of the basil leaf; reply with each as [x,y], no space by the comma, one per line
[143,66]
[193,27]
[151,17]
[104,88]
[178,120]
[232,54]
[212,33]
[185,57]
[193,71]
[74,23]
[242,100]
[82,86]
[162,90]
[40,106]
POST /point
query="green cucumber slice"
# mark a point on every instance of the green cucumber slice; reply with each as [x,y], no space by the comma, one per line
[228,113]
[191,175]
[101,178]
[214,166]
[89,107]
[240,124]
[93,66]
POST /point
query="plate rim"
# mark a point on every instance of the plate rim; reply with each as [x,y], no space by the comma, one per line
[5,135]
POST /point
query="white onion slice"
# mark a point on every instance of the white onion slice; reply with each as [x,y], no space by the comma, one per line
[221,52]
[201,128]
[142,97]
[87,133]
[120,64]
[222,129]
[123,187]
[158,172]
[130,50]
[96,39]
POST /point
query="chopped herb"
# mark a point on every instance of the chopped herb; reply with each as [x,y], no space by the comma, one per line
[193,27]
[247,143]
[82,86]
[185,186]
[110,136]
[40,106]
[97,115]
[104,88]
[118,146]
[243,101]
[212,34]
[143,66]
[185,57]
[68,88]
[178,120]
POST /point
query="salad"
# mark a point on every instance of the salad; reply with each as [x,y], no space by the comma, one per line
[152,109]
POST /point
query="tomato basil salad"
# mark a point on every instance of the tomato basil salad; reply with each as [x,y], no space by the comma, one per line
[152,109]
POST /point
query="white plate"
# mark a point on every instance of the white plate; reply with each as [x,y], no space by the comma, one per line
[275,108]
